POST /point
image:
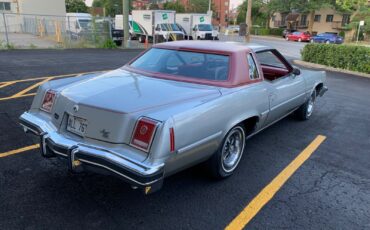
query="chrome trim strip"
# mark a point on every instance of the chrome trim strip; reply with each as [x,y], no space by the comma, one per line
[114,171]
[198,143]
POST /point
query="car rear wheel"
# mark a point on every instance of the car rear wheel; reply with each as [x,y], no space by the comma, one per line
[327,42]
[224,162]
[141,38]
[305,111]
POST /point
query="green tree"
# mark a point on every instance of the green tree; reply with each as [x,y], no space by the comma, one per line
[259,12]
[77,6]
[112,7]
[154,6]
[177,6]
[200,6]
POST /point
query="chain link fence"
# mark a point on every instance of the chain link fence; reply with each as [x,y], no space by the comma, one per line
[48,31]
[71,31]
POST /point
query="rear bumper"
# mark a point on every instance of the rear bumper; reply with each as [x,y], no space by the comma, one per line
[81,157]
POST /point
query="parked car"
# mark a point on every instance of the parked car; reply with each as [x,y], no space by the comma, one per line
[233,29]
[327,38]
[288,31]
[176,105]
[298,36]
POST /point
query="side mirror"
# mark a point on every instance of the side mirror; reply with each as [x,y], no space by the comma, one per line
[296,71]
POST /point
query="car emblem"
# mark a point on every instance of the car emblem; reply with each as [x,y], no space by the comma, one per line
[105,133]
[75,108]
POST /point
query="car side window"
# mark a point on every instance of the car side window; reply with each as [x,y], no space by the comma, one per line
[268,58]
[253,71]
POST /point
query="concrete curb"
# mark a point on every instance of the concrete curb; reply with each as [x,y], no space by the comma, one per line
[328,68]
[275,38]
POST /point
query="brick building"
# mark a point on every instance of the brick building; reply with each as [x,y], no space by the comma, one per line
[221,12]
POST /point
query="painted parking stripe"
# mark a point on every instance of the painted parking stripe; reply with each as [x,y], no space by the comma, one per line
[55,76]
[24,92]
[5,84]
[273,187]
[21,150]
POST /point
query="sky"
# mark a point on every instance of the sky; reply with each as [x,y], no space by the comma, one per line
[233,3]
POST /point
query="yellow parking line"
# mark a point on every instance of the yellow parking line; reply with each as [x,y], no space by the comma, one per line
[271,189]
[6,84]
[24,95]
[56,76]
[31,87]
[21,150]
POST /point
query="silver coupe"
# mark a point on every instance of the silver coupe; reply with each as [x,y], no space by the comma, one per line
[175,105]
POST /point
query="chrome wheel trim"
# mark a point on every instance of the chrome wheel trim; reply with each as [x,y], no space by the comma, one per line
[299,40]
[311,105]
[232,149]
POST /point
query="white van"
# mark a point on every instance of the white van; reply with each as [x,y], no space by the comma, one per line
[77,23]
[158,24]
[197,26]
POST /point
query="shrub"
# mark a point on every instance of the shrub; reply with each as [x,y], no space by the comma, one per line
[276,31]
[109,44]
[350,57]
[263,31]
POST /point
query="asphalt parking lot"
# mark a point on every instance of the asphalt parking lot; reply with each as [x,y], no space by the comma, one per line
[330,190]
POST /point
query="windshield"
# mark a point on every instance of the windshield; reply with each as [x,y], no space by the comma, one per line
[189,64]
[84,23]
[169,27]
[204,27]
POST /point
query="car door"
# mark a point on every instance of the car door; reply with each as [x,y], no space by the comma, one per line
[295,36]
[286,89]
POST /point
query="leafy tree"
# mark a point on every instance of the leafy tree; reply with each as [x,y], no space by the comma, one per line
[259,12]
[154,6]
[112,7]
[200,6]
[177,6]
[77,6]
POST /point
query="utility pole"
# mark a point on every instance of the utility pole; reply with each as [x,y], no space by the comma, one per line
[125,15]
[248,21]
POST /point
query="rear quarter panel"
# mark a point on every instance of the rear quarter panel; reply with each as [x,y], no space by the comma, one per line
[200,131]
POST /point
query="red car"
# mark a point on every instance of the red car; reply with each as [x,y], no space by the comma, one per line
[298,36]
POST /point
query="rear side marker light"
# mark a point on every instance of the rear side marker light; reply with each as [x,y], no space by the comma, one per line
[172,140]
[48,101]
[144,132]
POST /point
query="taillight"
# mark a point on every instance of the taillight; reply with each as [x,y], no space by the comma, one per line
[48,101]
[144,133]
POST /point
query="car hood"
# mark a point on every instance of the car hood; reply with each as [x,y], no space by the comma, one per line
[126,92]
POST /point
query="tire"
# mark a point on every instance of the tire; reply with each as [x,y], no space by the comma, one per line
[141,38]
[118,43]
[299,40]
[327,42]
[312,41]
[304,112]
[286,38]
[224,162]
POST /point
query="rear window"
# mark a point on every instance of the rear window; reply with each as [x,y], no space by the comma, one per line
[214,67]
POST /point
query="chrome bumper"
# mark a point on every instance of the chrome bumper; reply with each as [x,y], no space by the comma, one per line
[82,157]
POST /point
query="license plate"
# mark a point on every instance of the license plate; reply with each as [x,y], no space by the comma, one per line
[77,125]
